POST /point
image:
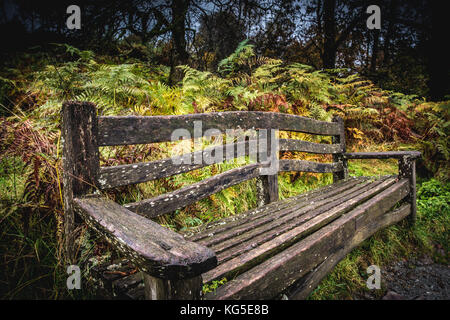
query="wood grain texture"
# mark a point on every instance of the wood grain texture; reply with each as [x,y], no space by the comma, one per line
[218,238]
[302,225]
[288,219]
[156,250]
[210,229]
[111,177]
[80,161]
[160,289]
[382,155]
[304,286]
[311,147]
[337,157]
[180,198]
[150,129]
[309,166]
[407,169]
[267,184]
[276,274]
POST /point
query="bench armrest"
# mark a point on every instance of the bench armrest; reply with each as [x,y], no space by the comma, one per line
[406,169]
[383,155]
[156,250]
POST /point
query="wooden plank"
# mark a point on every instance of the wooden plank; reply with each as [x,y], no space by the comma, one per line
[340,139]
[258,235]
[303,287]
[182,197]
[125,285]
[309,166]
[154,249]
[141,130]
[267,184]
[185,289]
[211,229]
[382,202]
[215,227]
[382,155]
[80,161]
[311,147]
[407,169]
[276,274]
[284,239]
[122,175]
[278,217]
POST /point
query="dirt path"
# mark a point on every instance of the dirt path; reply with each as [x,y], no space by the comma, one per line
[415,279]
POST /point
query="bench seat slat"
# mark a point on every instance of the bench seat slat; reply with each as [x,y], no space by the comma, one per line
[220,240]
[209,229]
[263,245]
[301,289]
[125,130]
[182,197]
[270,277]
[122,175]
[288,219]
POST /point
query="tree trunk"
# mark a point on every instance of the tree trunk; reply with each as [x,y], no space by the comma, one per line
[389,32]
[329,48]
[375,48]
[437,59]
[179,54]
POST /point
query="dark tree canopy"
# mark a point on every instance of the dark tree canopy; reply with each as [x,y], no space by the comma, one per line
[405,55]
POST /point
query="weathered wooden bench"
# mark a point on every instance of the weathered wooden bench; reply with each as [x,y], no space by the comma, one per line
[283,246]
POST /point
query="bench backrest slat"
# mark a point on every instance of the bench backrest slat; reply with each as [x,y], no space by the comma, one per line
[311,147]
[122,175]
[180,198]
[129,130]
[309,166]
[125,130]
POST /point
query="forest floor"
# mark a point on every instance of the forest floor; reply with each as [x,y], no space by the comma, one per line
[413,279]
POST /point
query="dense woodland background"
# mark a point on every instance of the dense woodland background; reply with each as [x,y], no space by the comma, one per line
[312,58]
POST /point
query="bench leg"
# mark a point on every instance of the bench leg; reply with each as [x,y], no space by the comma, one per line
[407,169]
[160,289]
[266,189]
[340,175]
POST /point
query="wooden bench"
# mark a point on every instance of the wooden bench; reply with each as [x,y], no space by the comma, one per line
[283,246]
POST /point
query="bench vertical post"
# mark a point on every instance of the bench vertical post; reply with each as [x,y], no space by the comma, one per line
[160,289]
[80,162]
[407,169]
[340,139]
[267,185]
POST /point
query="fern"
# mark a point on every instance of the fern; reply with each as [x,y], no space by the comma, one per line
[238,58]
[114,86]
